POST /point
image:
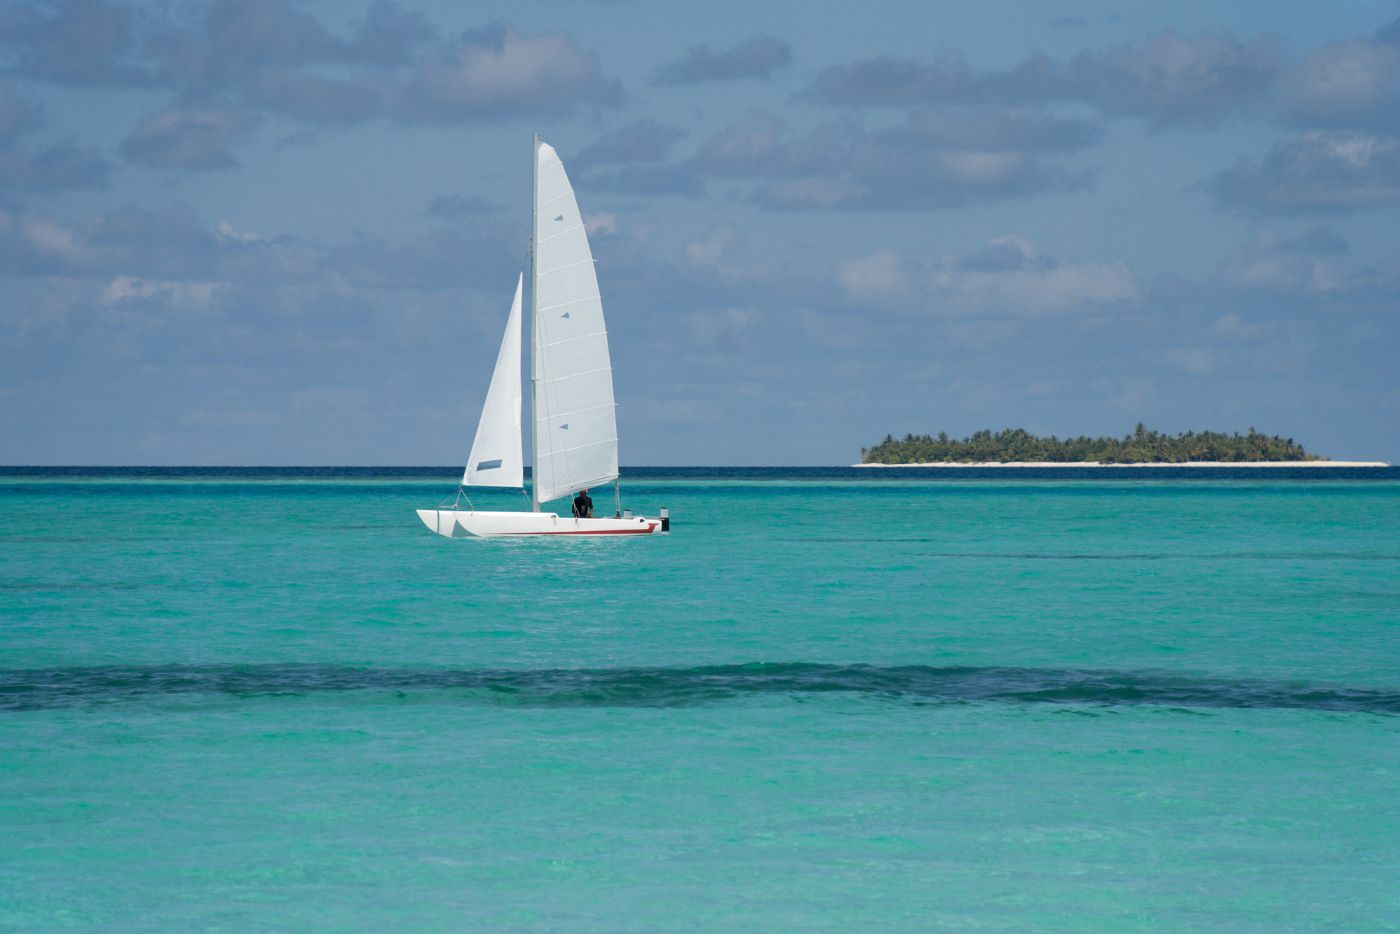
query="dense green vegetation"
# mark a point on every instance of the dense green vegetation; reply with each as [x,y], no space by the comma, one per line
[1140,447]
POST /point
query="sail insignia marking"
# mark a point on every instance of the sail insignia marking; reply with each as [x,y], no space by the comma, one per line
[495,458]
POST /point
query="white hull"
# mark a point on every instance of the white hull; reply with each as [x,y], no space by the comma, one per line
[460,523]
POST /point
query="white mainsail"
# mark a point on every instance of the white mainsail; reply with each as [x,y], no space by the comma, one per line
[575,431]
[497,457]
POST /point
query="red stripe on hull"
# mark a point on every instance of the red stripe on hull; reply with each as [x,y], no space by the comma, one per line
[650,528]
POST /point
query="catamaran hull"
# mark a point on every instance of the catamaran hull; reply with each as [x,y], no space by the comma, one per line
[458,523]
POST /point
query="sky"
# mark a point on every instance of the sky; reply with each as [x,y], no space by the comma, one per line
[275,232]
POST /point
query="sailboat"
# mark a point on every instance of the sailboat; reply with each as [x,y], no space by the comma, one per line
[573,426]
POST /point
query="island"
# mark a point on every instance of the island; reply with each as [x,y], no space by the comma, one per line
[1016,447]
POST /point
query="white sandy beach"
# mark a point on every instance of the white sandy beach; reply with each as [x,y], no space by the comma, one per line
[1099,464]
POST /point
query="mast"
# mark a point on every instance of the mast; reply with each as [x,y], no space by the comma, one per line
[534,329]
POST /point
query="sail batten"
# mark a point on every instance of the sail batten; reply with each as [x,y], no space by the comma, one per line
[582,262]
[497,455]
[575,340]
[575,422]
[603,369]
[575,301]
[591,408]
[589,445]
[566,230]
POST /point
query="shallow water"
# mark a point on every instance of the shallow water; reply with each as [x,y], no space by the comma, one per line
[271,699]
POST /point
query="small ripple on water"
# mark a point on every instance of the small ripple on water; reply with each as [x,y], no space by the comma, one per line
[39,689]
[1120,556]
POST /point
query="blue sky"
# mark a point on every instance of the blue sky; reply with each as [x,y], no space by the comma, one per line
[270,232]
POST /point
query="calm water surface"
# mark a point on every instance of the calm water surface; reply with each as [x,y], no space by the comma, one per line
[259,699]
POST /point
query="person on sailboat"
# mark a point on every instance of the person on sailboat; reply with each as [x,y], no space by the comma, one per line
[583,505]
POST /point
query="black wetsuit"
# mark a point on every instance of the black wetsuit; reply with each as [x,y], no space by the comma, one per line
[583,506]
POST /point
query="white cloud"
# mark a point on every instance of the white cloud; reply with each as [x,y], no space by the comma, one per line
[230,232]
[500,71]
[880,273]
[1197,360]
[725,331]
[128,288]
[49,237]
[1041,290]
[1344,83]
[1234,325]
[983,169]
[1269,264]
[717,245]
[1168,79]
[934,159]
[1314,173]
[1009,276]
[188,138]
[602,222]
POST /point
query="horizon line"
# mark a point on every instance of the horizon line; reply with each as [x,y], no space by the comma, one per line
[1314,464]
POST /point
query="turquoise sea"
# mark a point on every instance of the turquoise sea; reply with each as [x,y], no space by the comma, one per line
[828,700]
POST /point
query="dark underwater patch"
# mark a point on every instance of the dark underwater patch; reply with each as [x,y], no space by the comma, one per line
[48,688]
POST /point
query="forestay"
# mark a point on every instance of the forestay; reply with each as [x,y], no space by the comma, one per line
[497,457]
[575,422]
